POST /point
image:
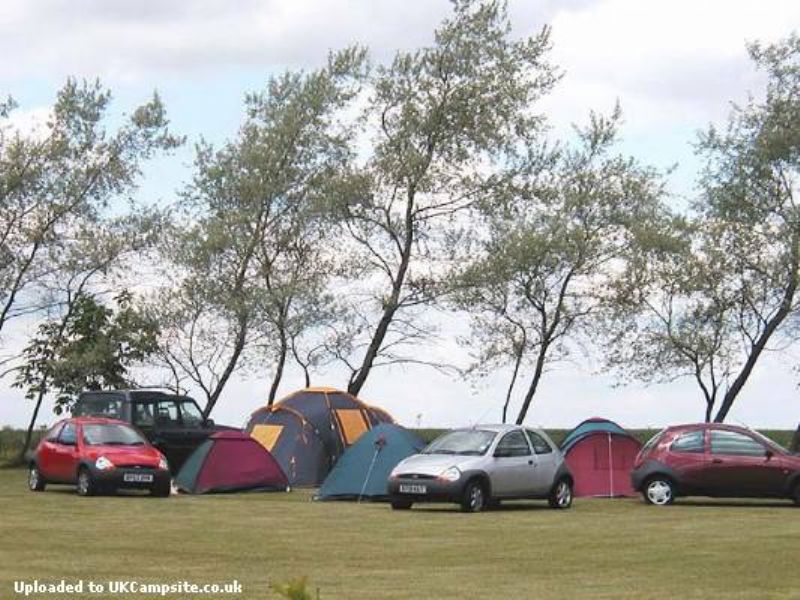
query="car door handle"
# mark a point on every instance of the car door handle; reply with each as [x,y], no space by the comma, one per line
[530,462]
[717,461]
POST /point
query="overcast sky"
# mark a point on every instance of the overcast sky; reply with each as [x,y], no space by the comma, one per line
[674,66]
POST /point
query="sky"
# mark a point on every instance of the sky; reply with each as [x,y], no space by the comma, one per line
[675,66]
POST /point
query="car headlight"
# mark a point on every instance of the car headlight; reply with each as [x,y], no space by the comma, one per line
[451,474]
[162,464]
[103,463]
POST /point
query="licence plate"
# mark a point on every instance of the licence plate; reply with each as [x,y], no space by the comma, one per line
[138,477]
[408,488]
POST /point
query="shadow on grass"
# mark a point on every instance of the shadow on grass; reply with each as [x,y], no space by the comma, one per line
[506,507]
[732,503]
[69,490]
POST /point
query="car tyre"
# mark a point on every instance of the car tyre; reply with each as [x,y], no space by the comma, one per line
[796,493]
[86,484]
[401,504]
[36,482]
[561,495]
[161,490]
[659,491]
[474,498]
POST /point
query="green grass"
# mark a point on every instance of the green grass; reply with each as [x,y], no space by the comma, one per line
[598,549]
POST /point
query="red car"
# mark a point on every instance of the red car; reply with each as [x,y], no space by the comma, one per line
[710,459]
[98,455]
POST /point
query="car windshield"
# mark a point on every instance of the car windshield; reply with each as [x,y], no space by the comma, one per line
[768,442]
[467,442]
[652,442]
[108,434]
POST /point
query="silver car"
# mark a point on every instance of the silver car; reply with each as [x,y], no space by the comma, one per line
[482,465]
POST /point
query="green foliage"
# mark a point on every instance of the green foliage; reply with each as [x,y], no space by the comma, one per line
[294,589]
[92,347]
[552,253]
[723,289]
[448,124]
[56,183]
[249,242]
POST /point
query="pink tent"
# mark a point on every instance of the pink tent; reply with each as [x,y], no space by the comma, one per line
[600,455]
[230,461]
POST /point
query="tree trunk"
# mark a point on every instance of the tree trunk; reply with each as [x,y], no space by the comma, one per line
[31,425]
[760,344]
[511,385]
[273,390]
[709,411]
[357,382]
[744,374]
[241,338]
[537,375]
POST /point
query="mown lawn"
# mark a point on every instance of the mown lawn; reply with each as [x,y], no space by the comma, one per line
[599,549]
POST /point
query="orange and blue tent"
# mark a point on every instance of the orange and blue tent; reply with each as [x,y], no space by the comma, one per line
[308,430]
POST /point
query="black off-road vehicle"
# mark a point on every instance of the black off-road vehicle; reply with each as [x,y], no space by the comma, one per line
[174,424]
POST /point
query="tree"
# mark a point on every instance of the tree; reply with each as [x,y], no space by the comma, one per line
[450,122]
[91,346]
[251,262]
[549,259]
[724,289]
[57,180]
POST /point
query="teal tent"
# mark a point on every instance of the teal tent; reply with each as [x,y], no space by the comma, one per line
[363,470]
[588,427]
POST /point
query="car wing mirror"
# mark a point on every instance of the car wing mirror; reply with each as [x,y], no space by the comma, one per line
[210,423]
[769,454]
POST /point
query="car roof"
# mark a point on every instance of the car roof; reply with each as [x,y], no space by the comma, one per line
[497,428]
[97,421]
[695,426]
[141,394]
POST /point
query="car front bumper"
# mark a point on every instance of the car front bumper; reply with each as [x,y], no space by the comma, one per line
[435,490]
[125,478]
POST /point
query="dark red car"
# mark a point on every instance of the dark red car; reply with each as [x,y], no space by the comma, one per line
[98,455]
[714,460]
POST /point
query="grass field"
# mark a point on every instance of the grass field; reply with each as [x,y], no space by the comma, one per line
[598,549]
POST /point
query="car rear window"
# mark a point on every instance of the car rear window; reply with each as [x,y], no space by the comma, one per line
[100,405]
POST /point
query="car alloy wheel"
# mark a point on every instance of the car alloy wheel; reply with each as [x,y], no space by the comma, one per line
[85,483]
[474,497]
[659,492]
[35,481]
[562,495]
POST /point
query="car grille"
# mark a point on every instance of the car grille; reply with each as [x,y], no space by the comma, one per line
[416,476]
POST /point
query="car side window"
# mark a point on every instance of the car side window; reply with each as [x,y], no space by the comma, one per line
[167,414]
[736,444]
[540,445]
[68,435]
[513,444]
[143,414]
[689,442]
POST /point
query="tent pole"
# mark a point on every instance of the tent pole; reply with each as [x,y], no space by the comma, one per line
[369,473]
[610,467]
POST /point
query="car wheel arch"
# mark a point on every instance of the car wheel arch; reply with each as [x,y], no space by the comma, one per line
[793,484]
[483,478]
